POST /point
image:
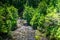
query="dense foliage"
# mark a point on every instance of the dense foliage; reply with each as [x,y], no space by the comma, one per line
[8,17]
[45,18]
[43,15]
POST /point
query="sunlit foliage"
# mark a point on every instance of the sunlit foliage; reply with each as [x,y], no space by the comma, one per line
[8,17]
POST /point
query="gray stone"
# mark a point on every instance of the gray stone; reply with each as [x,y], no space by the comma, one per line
[23,32]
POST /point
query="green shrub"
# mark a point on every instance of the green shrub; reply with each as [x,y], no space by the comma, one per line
[57,35]
[8,18]
[37,20]
[51,24]
[42,6]
[34,20]
[28,13]
[44,17]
